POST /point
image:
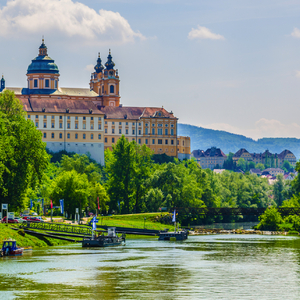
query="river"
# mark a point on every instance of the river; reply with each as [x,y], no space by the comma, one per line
[202,267]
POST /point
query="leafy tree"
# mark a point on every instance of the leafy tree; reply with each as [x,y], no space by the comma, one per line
[154,199]
[229,163]
[287,166]
[251,165]
[73,188]
[127,168]
[25,158]
[162,158]
[270,219]
[260,166]
[278,190]
[142,170]
[57,156]
[242,164]
[82,164]
[97,190]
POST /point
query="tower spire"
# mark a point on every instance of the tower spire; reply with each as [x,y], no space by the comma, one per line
[99,67]
[109,64]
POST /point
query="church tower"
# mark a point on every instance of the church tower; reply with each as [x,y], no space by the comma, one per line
[105,82]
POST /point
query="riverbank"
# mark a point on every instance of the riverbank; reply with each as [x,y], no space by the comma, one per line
[26,240]
[203,231]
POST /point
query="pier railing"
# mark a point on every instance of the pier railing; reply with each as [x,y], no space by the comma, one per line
[82,230]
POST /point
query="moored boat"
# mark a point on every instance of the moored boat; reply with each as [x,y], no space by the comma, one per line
[173,236]
[111,239]
[9,248]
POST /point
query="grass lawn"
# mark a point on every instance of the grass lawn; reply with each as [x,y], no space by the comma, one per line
[134,221]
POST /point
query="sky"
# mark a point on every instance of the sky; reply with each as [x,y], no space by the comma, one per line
[230,65]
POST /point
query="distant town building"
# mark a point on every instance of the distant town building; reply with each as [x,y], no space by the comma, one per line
[274,160]
[273,171]
[210,158]
[255,171]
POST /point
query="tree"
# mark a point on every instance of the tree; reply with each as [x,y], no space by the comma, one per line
[270,219]
[229,163]
[82,164]
[278,189]
[25,158]
[73,188]
[242,164]
[142,169]
[120,168]
[260,166]
[287,167]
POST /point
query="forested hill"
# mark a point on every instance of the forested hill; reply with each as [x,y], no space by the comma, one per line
[203,138]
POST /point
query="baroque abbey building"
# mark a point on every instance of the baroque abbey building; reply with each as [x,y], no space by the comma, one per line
[91,120]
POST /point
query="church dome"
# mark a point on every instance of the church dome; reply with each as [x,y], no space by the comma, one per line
[43,63]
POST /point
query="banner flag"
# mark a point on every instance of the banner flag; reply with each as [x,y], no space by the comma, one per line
[61,203]
[174,216]
[98,203]
[31,204]
[51,204]
[94,221]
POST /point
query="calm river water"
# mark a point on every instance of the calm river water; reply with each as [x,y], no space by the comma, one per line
[202,267]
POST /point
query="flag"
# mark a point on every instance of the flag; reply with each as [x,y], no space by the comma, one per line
[94,221]
[98,203]
[174,216]
[51,204]
[31,204]
[61,203]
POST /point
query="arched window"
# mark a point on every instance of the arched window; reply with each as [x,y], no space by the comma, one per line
[92,136]
[111,89]
[35,83]
[47,83]
[102,89]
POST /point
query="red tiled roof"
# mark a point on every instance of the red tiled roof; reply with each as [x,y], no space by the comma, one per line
[240,152]
[60,106]
[133,113]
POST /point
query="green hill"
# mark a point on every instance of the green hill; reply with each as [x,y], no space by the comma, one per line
[203,138]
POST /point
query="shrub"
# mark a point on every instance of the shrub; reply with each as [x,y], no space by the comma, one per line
[270,219]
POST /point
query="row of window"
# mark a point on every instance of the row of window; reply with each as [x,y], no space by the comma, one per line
[159,131]
[47,83]
[68,125]
[60,135]
[159,141]
[140,124]
[68,117]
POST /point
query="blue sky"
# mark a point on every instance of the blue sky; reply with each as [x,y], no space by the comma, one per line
[228,65]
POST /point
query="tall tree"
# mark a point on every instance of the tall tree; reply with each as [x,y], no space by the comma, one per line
[278,190]
[25,158]
[120,168]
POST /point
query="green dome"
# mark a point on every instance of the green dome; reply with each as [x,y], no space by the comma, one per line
[43,64]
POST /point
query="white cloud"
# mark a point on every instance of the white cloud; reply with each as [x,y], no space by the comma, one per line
[262,128]
[296,33]
[90,68]
[22,18]
[204,33]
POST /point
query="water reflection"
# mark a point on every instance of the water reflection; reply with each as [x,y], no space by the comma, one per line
[203,267]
